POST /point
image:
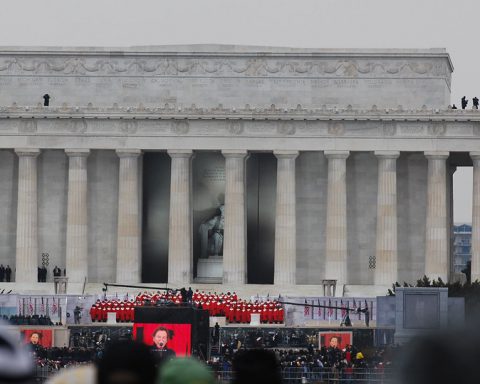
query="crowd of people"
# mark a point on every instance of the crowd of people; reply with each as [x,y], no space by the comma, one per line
[5,273]
[57,358]
[228,304]
[28,320]
[313,364]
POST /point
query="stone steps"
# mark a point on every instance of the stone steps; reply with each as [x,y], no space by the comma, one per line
[243,291]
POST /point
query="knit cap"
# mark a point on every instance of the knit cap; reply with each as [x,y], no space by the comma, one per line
[185,371]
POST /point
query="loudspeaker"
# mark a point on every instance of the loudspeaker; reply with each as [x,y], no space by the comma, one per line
[140,333]
[201,333]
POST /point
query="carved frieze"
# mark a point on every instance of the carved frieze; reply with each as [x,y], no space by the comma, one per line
[129,127]
[389,128]
[180,127]
[437,128]
[27,127]
[235,127]
[241,66]
[336,128]
[76,126]
[476,128]
[287,128]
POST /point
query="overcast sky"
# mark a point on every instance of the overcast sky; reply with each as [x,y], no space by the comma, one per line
[452,24]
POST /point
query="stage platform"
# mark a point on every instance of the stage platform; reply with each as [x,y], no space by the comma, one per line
[244,291]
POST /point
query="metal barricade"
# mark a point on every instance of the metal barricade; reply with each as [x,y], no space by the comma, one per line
[317,375]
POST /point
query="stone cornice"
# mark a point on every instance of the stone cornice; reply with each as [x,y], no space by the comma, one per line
[457,131]
[247,113]
[218,49]
[224,60]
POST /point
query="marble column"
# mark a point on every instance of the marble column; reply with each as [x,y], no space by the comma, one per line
[285,219]
[129,265]
[27,232]
[77,229]
[437,232]
[336,232]
[234,244]
[386,240]
[475,274]
[450,223]
[180,271]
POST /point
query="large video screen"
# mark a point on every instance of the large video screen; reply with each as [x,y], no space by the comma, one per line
[42,337]
[335,339]
[175,339]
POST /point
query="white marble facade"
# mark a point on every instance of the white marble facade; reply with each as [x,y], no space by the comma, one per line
[362,138]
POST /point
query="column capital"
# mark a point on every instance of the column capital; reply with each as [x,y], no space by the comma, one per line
[336,154]
[234,153]
[286,154]
[185,153]
[475,156]
[77,152]
[437,155]
[387,154]
[32,152]
[128,152]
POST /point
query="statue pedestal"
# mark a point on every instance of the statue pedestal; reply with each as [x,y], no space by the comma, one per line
[210,268]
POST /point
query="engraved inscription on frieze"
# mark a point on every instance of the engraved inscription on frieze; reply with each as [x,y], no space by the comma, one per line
[412,129]
[320,83]
[57,81]
[216,174]
[345,83]
[377,83]
[82,80]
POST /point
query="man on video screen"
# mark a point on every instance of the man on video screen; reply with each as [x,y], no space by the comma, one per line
[161,336]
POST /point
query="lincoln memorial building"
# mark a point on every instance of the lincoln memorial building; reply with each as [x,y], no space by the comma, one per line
[231,165]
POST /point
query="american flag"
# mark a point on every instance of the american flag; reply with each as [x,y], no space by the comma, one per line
[30,306]
[42,307]
[54,306]
[306,309]
[330,309]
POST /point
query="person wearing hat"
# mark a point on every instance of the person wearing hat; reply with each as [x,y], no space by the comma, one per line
[359,366]
[185,371]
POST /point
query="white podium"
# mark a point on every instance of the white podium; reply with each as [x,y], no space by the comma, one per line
[111,318]
[255,319]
